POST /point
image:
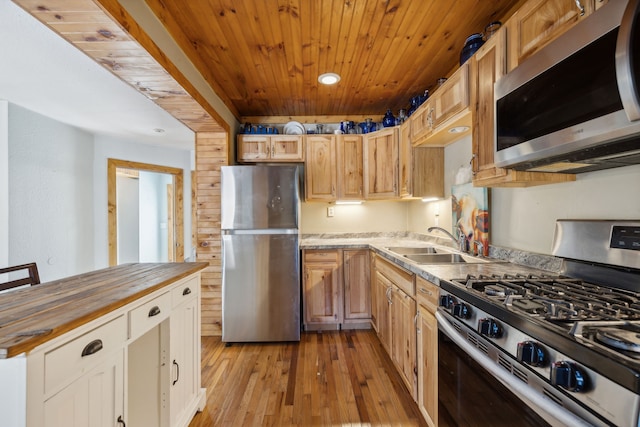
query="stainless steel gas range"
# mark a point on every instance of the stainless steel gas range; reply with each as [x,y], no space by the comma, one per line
[569,344]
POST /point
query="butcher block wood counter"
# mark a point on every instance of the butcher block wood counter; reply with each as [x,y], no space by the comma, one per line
[34,315]
[119,346]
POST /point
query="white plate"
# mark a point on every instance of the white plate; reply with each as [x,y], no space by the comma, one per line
[294,128]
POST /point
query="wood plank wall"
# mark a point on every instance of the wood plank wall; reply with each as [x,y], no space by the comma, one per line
[211,154]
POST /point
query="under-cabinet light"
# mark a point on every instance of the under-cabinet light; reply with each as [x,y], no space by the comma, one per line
[329,78]
[348,202]
[429,199]
[459,129]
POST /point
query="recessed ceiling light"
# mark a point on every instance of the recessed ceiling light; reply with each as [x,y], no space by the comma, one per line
[328,78]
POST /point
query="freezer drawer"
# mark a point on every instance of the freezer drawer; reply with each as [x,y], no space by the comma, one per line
[261,287]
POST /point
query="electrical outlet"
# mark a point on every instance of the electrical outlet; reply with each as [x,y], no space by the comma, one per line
[331,211]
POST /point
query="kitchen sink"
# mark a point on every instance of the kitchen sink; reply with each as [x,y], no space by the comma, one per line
[407,250]
[443,258]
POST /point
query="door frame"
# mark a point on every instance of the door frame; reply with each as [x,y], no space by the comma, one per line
[112,208]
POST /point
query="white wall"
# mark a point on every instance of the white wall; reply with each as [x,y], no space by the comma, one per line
[4,183]
[524,218]
[108,147]
[368,217]
[50,195]
[128,217]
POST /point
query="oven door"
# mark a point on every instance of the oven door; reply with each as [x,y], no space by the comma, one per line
[475,390]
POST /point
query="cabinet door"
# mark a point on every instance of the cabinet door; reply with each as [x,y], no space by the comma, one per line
[538,22]
[403,338]
[421,122]
[322,288]
[287,148]
[350,165]
[95,399]
[490,63]
[381,165]
[357,290]
[320,168]
[185,363]
[253,148]
[405,158]
[452,97]
[428,366]
[428,172]
[382,288]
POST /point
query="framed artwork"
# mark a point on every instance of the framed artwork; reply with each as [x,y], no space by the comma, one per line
[470,215]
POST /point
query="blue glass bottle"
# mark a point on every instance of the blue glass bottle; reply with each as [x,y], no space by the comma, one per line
[388,120]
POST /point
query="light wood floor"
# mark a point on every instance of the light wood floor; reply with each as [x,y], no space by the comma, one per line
[328,379]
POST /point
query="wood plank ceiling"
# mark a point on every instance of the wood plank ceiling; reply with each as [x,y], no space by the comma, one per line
[263,58]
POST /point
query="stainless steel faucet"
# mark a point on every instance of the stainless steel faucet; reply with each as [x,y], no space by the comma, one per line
[460,241]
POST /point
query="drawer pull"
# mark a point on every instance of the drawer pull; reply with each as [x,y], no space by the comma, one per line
[177,372]
[121,421]
[155,310]
[92,348]
[425,291]
[186,291]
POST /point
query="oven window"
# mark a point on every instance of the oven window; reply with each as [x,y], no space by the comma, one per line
[580,88]
[469,395]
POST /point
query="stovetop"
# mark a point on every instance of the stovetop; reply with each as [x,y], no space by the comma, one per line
[561,303]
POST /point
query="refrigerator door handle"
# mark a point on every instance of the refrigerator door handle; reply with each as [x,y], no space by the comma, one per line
[261,231]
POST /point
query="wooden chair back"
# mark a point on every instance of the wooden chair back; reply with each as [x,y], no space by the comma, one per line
[32,279]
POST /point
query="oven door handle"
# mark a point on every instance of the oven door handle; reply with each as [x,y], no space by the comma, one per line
[547,409]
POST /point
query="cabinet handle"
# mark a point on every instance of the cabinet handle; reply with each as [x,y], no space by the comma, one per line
[177,372]
[415,320]
[155,310]
[186,291]
[121,421]
[425,291]
[92,348]
[580,7]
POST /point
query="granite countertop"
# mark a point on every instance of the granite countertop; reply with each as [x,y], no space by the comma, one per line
[501,260]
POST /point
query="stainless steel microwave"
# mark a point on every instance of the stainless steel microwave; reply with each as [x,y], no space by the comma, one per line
[574,106]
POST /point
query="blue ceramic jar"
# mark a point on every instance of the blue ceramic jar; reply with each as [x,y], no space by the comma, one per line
[388,120]
[471,45]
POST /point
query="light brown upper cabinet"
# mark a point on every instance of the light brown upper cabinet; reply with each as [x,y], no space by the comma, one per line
[333,169]
[381,164]
[447,108]
[421,169]
[488,65]
[350,167]
[320,171]
[270,148]
[538,22]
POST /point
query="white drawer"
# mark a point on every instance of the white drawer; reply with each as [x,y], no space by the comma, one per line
[78,356]
[144,317]
[185,291]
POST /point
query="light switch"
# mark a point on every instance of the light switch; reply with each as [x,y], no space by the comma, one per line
[331,211]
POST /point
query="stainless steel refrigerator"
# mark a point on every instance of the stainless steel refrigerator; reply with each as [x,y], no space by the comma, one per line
[260,253]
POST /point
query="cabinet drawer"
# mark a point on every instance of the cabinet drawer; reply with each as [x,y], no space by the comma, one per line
[320,255]
[78,356]
[400,277]
[148,315]
[427,294]
[185,291]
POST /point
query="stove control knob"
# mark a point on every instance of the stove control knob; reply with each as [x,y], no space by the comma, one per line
[446,301]
[489,328]
[461,310]
[569,376]
[532,354]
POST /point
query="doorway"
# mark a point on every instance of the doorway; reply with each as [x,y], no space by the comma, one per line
[145,212]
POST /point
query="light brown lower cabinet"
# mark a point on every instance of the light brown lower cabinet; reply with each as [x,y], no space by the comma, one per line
[427,350]
[396,317]
[336,289]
